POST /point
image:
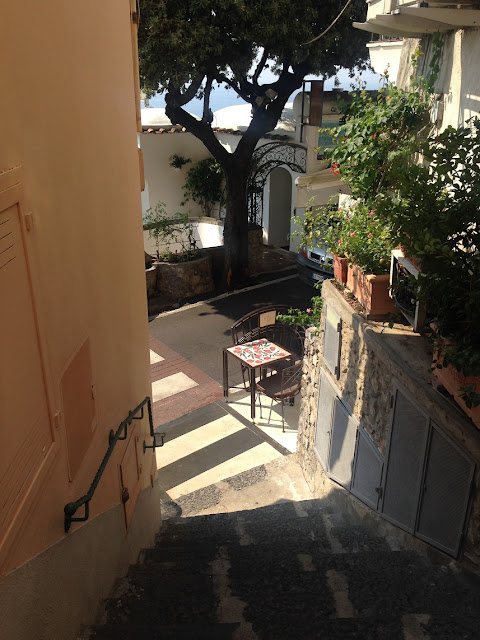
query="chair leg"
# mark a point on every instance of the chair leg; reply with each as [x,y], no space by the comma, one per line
[283,419]
[271,409]
[260,405]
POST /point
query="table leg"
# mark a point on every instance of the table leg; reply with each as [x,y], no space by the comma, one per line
[225,375]
[252,393]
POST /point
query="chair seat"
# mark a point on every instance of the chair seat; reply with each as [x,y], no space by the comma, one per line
[272,386]
[283,364]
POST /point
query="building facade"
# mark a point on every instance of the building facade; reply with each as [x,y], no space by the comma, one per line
[74,340]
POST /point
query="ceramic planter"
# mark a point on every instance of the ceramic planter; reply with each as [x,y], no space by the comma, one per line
[340,269]
[452,380]
[371,291]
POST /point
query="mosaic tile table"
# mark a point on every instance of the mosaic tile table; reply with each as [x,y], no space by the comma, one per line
[258,353]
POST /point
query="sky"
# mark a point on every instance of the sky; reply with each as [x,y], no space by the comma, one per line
[222,97]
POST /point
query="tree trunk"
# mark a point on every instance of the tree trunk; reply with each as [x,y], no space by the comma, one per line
[236,224]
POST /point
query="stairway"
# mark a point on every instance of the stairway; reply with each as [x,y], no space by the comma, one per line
[292,570]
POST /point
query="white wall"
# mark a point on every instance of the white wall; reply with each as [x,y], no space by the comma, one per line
[208,232]
[459,80]
[458,84]
[385,55]
[162,182]
[165,184]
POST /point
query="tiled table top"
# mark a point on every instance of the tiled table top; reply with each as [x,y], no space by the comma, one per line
[258,352]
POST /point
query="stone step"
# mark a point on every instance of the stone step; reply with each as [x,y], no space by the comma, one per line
[153,605]
[264,527]
[163,632]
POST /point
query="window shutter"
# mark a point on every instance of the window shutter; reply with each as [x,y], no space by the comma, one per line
[367,475]
[342,449]
[407,444]
[445,494]
[332,341]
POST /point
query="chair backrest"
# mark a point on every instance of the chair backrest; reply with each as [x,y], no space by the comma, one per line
[291,380]
[292,338]
[256,324]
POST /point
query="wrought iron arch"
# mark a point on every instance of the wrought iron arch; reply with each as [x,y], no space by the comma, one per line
[265,159]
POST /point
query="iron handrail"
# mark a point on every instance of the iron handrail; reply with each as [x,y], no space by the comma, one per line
[113,437]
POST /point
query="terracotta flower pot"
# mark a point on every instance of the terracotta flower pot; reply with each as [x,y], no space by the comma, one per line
[452,380]
[371,291]
[340,269]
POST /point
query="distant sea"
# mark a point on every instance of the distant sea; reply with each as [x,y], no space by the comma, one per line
[222,97]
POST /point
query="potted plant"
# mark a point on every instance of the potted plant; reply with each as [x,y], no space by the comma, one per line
[177,162]
[174,232]
[354,232]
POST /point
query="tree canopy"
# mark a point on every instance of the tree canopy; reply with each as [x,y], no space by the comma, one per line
[187,46]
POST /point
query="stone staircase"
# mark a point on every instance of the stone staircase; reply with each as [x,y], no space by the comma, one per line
[292,570]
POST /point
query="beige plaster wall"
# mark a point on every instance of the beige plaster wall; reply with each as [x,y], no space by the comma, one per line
[76,571]
[68,119]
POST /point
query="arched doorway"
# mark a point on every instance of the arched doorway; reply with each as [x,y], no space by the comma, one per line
[264,160]
[279,208]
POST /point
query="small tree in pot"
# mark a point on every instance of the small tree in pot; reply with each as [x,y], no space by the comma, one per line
[171,230]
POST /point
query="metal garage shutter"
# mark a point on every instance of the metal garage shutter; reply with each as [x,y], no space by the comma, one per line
[342,448]
[367,474]
[326,400]
[332,341]
[408,438]
[445,494]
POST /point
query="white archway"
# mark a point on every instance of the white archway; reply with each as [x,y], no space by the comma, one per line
[279,207]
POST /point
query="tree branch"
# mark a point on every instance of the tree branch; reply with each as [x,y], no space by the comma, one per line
[260,67]
[202,130]
[220,77]
[180,98]
[207,112]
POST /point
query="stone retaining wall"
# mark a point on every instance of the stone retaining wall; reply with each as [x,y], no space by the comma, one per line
[373,356]
[180,280]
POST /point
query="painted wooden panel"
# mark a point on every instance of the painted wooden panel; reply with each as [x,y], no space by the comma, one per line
[25,428]
[78,406]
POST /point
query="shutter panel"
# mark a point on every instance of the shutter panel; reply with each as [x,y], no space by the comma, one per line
[326,400]
[342,449]
[446,489]
[367,475]
[332,341]
[408,437]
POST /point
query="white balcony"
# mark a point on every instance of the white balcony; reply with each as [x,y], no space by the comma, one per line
[407,21]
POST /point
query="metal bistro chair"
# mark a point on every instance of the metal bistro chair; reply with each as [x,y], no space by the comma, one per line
[291,338]
[256,321]
[285,384]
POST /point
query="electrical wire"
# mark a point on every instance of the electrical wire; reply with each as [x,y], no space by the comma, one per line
[328,28]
